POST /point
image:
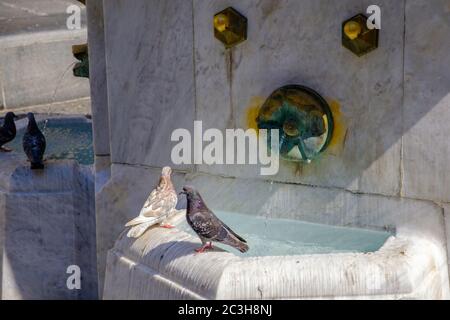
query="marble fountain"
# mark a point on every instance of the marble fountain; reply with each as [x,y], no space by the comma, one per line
[293,254]
[160,65]
[47,218]
[359,208]
[406,263]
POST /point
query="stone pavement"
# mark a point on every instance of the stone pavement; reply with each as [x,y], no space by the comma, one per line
[36,53]
[79,107]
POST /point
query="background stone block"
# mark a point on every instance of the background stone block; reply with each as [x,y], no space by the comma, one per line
[150,77]
[426,143]
[46,227]
[36,58]
[98,82]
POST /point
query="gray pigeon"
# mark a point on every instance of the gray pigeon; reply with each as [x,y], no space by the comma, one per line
[8,131]
[34,143]
[207,226]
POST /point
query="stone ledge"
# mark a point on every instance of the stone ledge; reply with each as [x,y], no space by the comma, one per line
[162,264]
[47,223]
[411,219]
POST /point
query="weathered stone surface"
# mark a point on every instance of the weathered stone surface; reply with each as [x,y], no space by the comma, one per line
[39,239]
[116,205]
[80,106]
[102,171]
[48,224]
[278,200]
[40,73]
[150,77]
[2,235]
[163,265]
[36,53]
[100,112]
[22,17]
[291,43]
[447,231]
[85,232]
[13,13]
[426,147]
[285,45]
[21,179]
[98,83]
[212,67]
[166,255]
[120,200]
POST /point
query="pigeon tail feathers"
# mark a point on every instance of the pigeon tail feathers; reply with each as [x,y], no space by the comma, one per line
[242,247]
[234,233]
[139,220]
[235,242]
[138,230]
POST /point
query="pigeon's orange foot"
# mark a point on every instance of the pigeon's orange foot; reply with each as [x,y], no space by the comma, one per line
[5,149]
[204,248]
[209,246]
[167,226]
[200,250]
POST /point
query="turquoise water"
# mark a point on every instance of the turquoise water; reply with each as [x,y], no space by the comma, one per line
[65,140]
[280,237]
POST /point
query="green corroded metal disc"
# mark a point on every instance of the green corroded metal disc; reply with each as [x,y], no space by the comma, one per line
[304,121]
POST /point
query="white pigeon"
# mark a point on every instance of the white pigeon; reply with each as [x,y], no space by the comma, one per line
[159,206]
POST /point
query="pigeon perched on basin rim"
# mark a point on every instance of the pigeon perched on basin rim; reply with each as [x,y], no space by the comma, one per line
[207,226]
[7,131]
[34,143]
[159,206]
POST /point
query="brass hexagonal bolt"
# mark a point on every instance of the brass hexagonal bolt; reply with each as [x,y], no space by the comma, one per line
[230,27]
[357,37]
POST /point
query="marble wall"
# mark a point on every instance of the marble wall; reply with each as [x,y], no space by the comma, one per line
[99,99]
[150,77]
[164,68]
[98,81]
[47,223]
[301,44]
[426,108]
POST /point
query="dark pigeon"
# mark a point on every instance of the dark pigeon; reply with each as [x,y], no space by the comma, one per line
[8,131]
[207,226]
[34,143]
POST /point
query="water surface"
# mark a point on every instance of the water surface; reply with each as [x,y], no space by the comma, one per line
[69,139]
[280,237]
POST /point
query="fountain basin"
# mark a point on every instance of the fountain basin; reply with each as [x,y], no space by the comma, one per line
[68,137]
[284,237]
[163,265]
[410,264]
